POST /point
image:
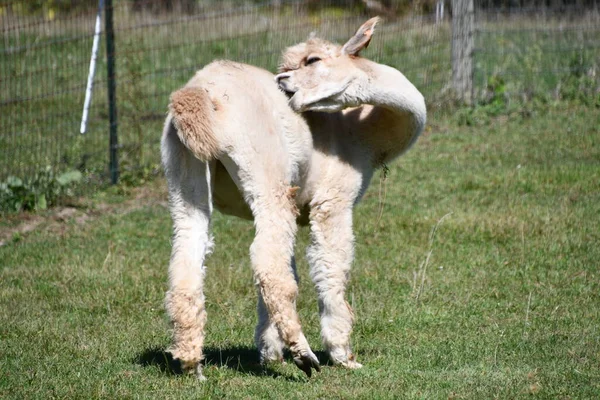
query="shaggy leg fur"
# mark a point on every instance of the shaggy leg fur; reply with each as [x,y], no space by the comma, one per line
[269,343]
[190,204]
[271,253]
[330,257]
[272,203]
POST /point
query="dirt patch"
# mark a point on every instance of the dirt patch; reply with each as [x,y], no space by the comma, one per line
[56,220]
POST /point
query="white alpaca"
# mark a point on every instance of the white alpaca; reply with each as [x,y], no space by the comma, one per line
[233,139]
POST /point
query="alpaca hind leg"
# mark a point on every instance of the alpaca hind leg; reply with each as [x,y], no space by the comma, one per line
[191,207]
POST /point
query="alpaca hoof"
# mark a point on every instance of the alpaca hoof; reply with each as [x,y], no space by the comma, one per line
[351,364]
[266,361]
[344,357]
[271,354]
[198,373]
[193,368]
[306,362]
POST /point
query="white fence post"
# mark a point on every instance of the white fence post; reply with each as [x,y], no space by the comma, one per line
[439,11]
[463,27]
[90,81]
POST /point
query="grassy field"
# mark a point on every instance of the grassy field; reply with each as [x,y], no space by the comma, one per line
[503,302]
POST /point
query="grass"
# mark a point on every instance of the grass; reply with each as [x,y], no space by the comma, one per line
[507,305]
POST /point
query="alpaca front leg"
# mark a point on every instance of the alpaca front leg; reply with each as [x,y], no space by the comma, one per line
[271,253]
[330,256]
[268,341]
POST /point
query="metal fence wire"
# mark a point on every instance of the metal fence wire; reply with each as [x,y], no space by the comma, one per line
[45,58]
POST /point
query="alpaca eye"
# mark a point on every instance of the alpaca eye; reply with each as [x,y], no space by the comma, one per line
[312,60]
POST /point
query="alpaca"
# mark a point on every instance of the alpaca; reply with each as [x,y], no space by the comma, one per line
[299,148]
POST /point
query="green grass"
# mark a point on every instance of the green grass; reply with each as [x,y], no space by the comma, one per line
[507,306]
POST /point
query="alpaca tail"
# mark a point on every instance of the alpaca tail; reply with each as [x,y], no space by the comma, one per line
[193,116]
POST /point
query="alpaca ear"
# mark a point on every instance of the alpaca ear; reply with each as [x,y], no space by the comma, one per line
[361,38]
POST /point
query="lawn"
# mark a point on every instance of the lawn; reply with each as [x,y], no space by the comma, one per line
[502,301]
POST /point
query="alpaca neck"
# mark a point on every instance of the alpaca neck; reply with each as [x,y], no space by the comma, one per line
[389,88]
[393,114]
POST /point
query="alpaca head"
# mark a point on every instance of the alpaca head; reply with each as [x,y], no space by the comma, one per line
[322,76]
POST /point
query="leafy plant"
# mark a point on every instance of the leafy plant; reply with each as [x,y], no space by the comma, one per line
[133,175]
[580,83]
[39,192]
[497,98]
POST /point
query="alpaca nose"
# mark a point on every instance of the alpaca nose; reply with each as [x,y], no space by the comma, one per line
[282,76]
[284,83]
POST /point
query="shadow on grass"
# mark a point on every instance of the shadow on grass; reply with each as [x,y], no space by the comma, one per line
[240,359]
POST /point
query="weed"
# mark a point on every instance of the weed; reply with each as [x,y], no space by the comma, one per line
[37,192]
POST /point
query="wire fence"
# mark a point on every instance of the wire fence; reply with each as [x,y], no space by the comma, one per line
[538,53]
[45,58]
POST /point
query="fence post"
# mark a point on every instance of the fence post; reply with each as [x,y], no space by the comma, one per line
[439,11]
[112,95]
[463,27]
